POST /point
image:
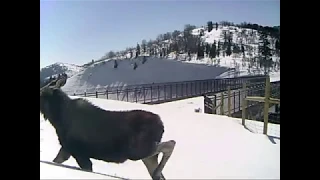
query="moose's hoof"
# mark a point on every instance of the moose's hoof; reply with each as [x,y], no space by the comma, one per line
[156,177]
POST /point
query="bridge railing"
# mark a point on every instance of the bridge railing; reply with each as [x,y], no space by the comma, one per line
[230,101]
[165,92]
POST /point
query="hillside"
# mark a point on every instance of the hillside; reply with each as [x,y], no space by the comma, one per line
[153,70]
[245,49]
[59,68]
[250,48]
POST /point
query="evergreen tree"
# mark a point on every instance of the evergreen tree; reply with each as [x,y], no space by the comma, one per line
[138,50]
[144,46]
[144,59]
[242,50]
[210,26]
[228,51]
[115,65]
[277,46]
[218,49]
[213,50]
[208,48]
[135,66]
[200,53]
[265,60]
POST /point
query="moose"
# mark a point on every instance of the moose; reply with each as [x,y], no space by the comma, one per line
[87,131]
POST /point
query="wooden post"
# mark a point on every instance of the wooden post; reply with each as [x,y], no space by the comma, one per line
[267,100]
[244,104]
[266,105]
[214,104]
[213,107]
[222,104]
[229,101]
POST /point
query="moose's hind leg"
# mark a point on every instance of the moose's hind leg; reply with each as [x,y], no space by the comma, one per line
[166,148]
[84,163]
[152,163]
[62,156]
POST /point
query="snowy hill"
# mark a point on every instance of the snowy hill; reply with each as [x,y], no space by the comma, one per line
[59,68]
[168,58]
[154,70]
[208,146]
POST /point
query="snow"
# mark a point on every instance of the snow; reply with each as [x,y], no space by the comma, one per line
[58,68]
[236,61]
[101,73]
[189,104]
[154,70]
[56,172]
[208,146]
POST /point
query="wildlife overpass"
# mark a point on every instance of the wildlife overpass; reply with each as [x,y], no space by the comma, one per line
[217,103]
[165,92]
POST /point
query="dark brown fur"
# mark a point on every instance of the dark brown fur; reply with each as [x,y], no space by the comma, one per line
[87,131]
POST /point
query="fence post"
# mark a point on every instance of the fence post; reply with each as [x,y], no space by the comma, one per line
[127,93]
[135,91]
[170,91]
[144,95]
[187,89]
[266,106]
[96,94]
[107,93]
[158,93]
[239,100]
[222,104]
[118,94]
[214,104]
[85,94]
[176,90]
[229,101]
[151,93]
[234,102]
[244,103]
[165,92]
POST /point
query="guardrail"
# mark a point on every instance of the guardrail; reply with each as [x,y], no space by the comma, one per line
[165,92]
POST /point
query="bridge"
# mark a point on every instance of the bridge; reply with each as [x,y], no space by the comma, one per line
[217,103]
[165,92]
[212,89]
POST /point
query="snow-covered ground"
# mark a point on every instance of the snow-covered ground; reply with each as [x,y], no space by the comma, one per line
[154,70]
[208,146]
[49,171]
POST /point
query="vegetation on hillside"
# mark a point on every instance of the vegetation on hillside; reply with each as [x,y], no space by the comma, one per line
[253,43]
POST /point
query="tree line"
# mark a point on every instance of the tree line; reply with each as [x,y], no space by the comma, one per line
[235,40]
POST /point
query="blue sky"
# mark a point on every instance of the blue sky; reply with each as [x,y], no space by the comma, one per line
[77,31]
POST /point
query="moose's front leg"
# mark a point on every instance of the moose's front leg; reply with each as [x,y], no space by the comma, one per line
[62,156]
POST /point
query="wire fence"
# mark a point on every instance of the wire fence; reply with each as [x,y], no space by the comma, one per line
[166,92]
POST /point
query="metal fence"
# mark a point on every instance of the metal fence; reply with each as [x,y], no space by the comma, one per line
[165,92]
